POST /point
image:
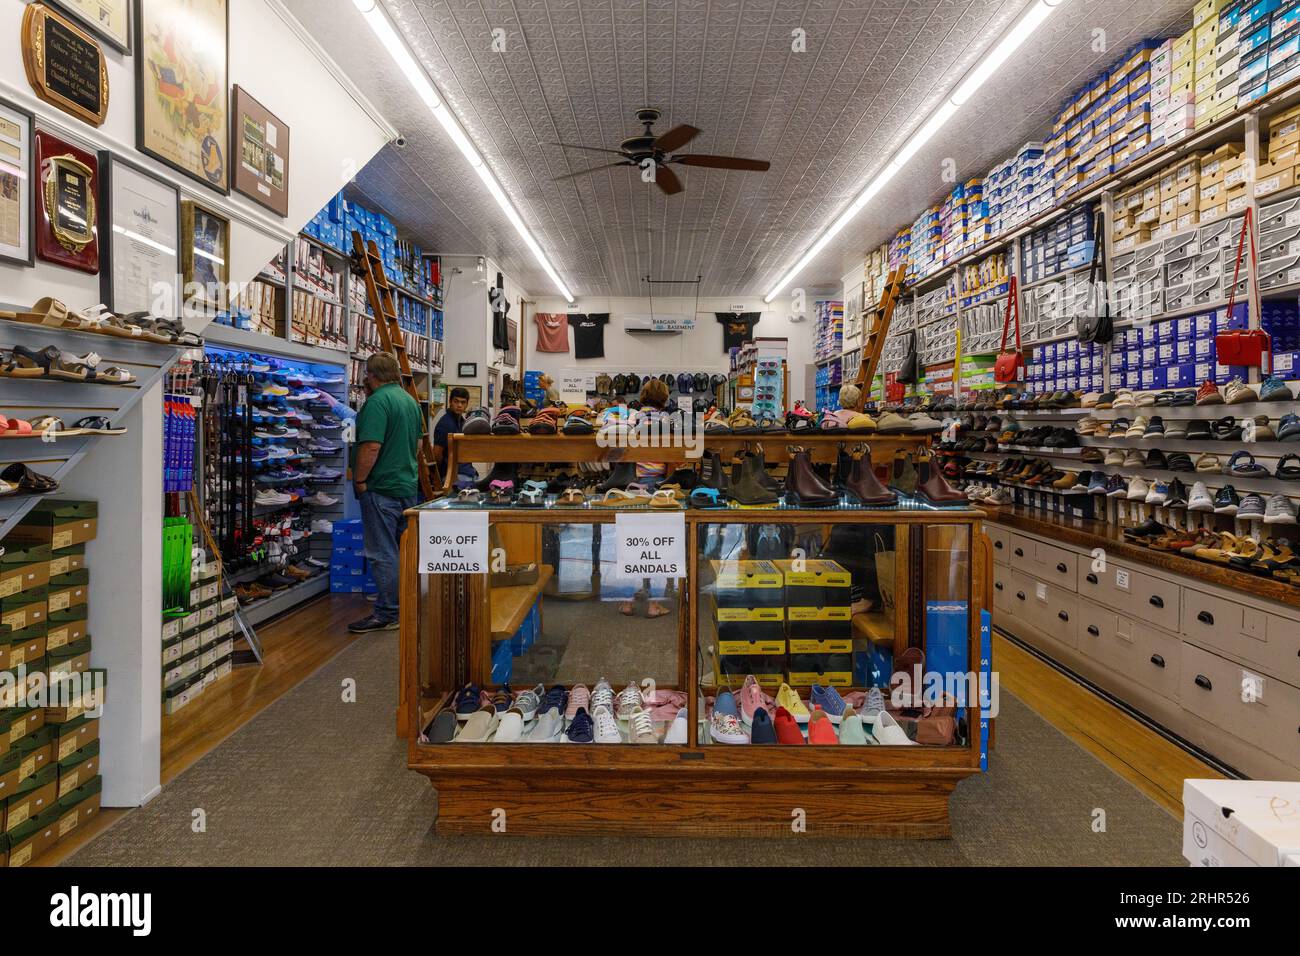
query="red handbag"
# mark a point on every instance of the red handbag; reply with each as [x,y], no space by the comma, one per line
[1010,366]
[1242,346]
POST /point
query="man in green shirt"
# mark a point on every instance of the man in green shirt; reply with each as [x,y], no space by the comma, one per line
[385,477]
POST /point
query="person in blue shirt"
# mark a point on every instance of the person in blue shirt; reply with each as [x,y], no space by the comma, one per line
[451,423]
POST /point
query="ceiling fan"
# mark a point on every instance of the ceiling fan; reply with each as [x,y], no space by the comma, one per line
[636,150]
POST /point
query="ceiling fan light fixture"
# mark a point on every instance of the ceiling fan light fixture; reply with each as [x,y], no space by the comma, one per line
[401,54]
[989,64]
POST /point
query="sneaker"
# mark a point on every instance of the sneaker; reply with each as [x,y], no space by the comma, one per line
[1288,428]
[606,727]
[829,700]
[629,701]
[528,702]
[322,500]
[557,697]
[887,732]
[267,497]
[640,728]
[761,730]
[751,700]
[1239,393]
[1176,495]
[548,729]
[1097,486]
[1226,501]
[510,727]
[1280,510]
[726,729]
[677,730]
[1199,499]
[1157,494]
[821,729]
[1116,487]
[1155,427]
[787,699]
[1252,508]
[322,525]
[1115,457]
[1133,459]
[579,700]
[1275,390]
[581,728]
[1138,429]
[1176,429]
[372,622]
[468,700]
[852,732]
[787,728]
[478,422]
[602,695]
[1208,394]
[1137,489]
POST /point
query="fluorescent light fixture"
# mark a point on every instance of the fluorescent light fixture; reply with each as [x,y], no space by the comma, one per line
[419,80]
[989,64]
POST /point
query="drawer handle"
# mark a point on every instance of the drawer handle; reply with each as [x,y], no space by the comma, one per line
[1092,578]
[998,585]
[1092,629]
[1020,552]
[998,545]
[1206,618]
[1157,660]
[1062,615]
[1021,595]
[1062,568]
[1156,601]
[1203,681]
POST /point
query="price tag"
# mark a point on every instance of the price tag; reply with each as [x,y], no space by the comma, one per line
[1252,688]
[1040,592]
[1121,579]
[453,542]
[651,545]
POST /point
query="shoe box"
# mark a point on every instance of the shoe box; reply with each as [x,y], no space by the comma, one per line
[1241,823]
[819,622]
[197,641]
[748,620]
[348,571]
[57,523]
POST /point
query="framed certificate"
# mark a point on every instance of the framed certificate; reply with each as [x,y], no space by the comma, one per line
[16,180]
[140,226]
[181,77]
[110,19]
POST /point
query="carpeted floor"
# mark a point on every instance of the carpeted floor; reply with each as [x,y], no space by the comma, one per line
[313,780]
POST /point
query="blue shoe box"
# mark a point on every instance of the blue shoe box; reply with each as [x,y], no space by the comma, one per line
[946,637]
[502,662]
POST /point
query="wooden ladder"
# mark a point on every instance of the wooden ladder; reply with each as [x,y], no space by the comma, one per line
[367,261]
[873,343]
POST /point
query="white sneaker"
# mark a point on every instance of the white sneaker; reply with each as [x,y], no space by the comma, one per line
[528,701]
[547,729]
[1200,498]
[725,729]
[322,500]
[602,695]
[1137,490]
[677,729]
[887,731]
[629,701]
[607,731]
[267,496]
[323,526]
[640,728]
[510,727]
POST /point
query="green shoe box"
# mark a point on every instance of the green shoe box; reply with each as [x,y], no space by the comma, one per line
[16,723]
[30,840]
[66,627]
[69,590]
[36,751]
[20,647]
[22,610]
[21,569]
[72,658]
[59,524]
[66,560]
[80,806]
[78,767]
[73,735]
[34,796]
[93,692]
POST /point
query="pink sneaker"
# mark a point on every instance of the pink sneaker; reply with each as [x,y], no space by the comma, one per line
[751,699]
[579,699]
[667,711]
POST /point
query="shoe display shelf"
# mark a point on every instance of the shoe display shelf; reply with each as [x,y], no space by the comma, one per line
[28,398]
[449,631]
[1208,653]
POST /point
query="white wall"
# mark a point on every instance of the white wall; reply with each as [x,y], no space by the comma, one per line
[332,136]
[467,335]
[699,350]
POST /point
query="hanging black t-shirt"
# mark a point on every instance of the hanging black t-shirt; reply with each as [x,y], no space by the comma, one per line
[737,329]
[589,334]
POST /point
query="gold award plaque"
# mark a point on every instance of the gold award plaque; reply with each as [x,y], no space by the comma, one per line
[65,64]
[69,201]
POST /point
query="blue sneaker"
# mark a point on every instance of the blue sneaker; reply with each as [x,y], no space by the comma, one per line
[581,729]
[467,701]
[761,730]
[1288,429]
[725,703]
[557,697]
[829,700]
[1275,390]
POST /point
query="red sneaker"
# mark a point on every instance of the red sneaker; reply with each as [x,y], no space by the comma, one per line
[787,728]
[1208,394]
[820,728]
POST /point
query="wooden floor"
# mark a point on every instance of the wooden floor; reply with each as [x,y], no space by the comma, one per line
[293,648]
[1141,756]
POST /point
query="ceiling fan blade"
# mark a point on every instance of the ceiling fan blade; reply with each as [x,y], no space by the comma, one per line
[590,149]
[593,169]
[676,138]
[667,180]
[722,162]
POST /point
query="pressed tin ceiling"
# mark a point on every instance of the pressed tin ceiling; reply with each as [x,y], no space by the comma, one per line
[576,71]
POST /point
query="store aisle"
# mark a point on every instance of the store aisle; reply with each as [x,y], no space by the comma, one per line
[313,780]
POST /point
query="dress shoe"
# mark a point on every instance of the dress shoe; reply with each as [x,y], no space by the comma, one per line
[863,484]
[803,486]
[931,487]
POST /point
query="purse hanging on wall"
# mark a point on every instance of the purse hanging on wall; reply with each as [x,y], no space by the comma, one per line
[1096,325]
[910,371]
[1009,368]
[1242,346]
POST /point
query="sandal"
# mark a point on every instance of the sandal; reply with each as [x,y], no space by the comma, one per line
[533,494]
[48,311]
[148,327]
[742,423]
[617,498]
[655,609]
[9,366]
[53,364]
[664,499]
[501,492]
[97,425]
[49,426]
[113,375]
[469,496]
[706,498]
[15,425]
[572,498]
[19,479]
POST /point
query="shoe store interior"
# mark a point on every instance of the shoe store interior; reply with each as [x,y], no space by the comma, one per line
[395,394]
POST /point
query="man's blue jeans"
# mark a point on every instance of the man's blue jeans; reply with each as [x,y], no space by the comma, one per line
[383,521]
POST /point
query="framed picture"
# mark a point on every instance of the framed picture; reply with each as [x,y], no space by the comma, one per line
[259,152]
[65,221]
[140,223]
[108,19]
[205,256]
[16,178]
[467,370]
[182,115]
[475,394]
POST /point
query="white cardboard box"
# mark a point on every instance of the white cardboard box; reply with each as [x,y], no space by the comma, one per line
[1240,822]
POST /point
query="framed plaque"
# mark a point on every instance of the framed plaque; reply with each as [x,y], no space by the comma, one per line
[140,222]
[259,153]
[15,185]
[64,64]
[110,20]
[205,256]
[181,68]
[67,197]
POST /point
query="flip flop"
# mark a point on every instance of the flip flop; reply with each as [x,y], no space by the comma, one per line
[617,498]
[664,499]
[49,423]
[97,425]
[22,480]
[572,498]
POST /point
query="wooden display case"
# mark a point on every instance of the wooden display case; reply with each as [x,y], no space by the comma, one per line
[700,788]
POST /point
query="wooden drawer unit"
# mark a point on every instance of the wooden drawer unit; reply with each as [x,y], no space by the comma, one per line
[1003,593]
[1212,687]
[1266,640]
[1023,553]
[1132,649]
[1001,539]
[1058,565]
[1051,609]
[1133,593]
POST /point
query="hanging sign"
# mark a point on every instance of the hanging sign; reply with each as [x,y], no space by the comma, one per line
[453,542]
[651,545]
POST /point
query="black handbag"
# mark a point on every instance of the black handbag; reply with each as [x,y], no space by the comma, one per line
[910,372]
[1095,325]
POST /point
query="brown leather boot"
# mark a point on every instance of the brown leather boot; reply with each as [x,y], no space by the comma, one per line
[863,484]
[760,471]
[748,489]
[803,486]
[931,487]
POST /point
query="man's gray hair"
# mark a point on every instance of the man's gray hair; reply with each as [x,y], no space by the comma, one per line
[384,368]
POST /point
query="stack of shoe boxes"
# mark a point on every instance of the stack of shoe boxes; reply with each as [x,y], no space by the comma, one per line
[1220,96]
[1279,237]
[1283,151]
[1175,353]
[1064,244]
[818,622]
[748,618]
[198,641]
[900,251]
[348,572]
[1223,183]
[1205,39]
[926,252]
[1065,366]
[1281,320]
[1266,53]
[829,331]
[49,765]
